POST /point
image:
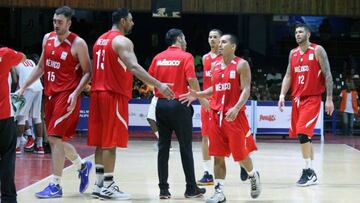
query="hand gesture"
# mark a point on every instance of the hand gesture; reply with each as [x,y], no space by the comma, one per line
[329,107]
[281,102]
[165,90]
[231,114]
[188,97]
[72,101]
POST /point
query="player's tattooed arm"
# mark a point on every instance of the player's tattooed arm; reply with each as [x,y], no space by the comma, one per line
[325,69]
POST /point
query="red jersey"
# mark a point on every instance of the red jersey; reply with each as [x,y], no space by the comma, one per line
[109,72]
[8,59]
[208,60]
[62,70]
[307,78]
[226,86]
[173,66]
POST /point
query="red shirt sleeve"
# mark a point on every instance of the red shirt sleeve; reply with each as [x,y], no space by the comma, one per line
[189,67]
[14,57]
[9,59]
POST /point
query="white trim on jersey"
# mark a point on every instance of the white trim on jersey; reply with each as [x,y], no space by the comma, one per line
[122,64]
[311,121]
[67,42]
[119,116]
[59,120]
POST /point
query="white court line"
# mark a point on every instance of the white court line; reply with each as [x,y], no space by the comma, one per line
[46,178]
[353,148]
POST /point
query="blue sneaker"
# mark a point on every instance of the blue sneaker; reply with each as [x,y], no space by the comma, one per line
[51,191]
[207,179]
[84,176]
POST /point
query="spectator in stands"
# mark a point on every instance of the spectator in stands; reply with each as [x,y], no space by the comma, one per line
[273,77]
[349,106]
[199,74]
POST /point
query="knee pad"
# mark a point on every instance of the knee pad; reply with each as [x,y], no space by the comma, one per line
[21,120]
[37,120]
[303,139]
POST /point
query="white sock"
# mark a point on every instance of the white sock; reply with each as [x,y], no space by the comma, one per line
[307,163]
[251,173]
[220,182]
[39,141]
[56,180]
[28,132]
[78,161]
[157,134]
[99,170]
[108,179]
[207,165]
[18,141]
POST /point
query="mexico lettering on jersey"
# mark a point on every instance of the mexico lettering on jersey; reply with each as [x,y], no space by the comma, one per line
[208,60]
[226,86]
[307,78]
[62,70]
[23,70]
[173,66]
[8,59]
[109,72]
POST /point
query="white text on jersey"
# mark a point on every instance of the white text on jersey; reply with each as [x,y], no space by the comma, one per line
[222,87]
[299,69]
[165,62]
[53,64]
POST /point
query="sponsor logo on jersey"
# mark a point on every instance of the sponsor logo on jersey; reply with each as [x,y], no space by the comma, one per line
[311,57]
[222,87]
[208,73]
[299,69]
[63,55]
[165,62]
[232,74]
[52,52]
[267,117]
[53,64]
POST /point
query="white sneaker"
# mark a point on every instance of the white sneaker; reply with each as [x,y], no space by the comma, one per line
[255,185]
[218,197]
[113,192]
[96,191]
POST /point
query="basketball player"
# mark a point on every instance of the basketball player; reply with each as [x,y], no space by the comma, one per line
[32,108]
[8,59]
[114,65]
[65,63]
[308,73]
[230,132]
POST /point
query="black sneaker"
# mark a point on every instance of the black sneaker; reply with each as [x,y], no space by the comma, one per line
[197,192]
[164,194]
[307,178]
[243,174]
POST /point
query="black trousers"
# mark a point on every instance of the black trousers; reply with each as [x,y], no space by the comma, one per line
[7,160]
[171,116]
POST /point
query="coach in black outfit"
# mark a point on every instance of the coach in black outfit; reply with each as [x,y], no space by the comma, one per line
[8,58]
[175,67]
